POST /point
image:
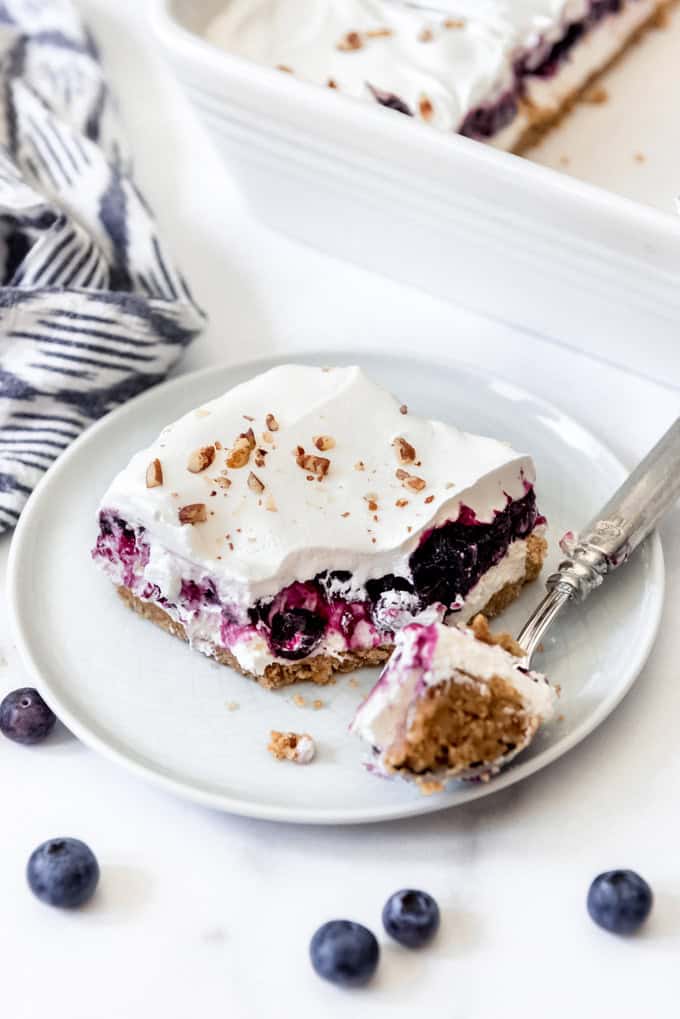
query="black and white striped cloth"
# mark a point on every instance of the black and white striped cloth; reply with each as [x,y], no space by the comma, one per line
[92,310]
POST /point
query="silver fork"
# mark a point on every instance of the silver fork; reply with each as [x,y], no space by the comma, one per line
[613,534]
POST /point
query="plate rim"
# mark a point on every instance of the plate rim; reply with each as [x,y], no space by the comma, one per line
[187,790]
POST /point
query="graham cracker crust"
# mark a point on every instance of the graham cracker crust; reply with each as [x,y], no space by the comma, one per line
[458,725]
[320,669]
[542,121]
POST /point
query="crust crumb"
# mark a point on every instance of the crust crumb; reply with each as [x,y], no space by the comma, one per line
[480,628]
[324,442]
[425,35]
[291,746]
[596,95]
[454,23]
[271,423]
[403,409]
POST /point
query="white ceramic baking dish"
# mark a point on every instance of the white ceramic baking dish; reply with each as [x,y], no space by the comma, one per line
[457,218]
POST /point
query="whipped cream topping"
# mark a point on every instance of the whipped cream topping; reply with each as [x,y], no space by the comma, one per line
[441,65]
[427,655]
[377,481]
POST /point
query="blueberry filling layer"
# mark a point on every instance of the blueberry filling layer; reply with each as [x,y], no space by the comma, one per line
[446,565]
[542,61]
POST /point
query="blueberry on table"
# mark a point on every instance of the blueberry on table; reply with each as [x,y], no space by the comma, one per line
[24,716]
[63,872]
[411,917]
[345,953]
[620,901]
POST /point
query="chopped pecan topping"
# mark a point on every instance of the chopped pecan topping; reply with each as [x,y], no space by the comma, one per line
[406,454]
[410,480]
[401,503]
[351,41]
[372,501]
[378,33]
[415,484]
[284,67]
[260,454]
[194,513]
[324,442]
[316,465]
[254,483]
[200,459]
[345,514]
[454,23]
[360,465]
[154,474]
[430,498]
[426,108]
[239,455]
[272,423]
[331,83]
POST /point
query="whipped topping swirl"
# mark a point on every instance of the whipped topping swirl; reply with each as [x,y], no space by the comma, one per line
[441,66]
[301,470]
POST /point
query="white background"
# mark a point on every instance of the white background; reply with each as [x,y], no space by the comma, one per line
[203,914]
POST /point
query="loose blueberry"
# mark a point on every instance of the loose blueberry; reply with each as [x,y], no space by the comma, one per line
[24,716]
[63,872]
[411,917]
[345,953]
[620,901]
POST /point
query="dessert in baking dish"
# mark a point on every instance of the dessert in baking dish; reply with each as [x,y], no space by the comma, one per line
[500,71]
[452,702]
[292,526]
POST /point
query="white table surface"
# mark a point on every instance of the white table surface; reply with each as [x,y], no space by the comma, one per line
[200,914]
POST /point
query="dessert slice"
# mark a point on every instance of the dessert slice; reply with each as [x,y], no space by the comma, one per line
[292,526]
[452,703]
[497,71]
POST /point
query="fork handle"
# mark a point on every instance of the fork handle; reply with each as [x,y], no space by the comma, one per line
[631,514]
[608,540]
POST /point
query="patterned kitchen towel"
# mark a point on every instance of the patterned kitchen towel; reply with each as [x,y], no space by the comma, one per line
[92,310]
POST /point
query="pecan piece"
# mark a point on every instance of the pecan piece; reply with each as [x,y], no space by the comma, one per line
[316,465]
[254,484]
[154,474]
[194,513]
[200,459]
[406,454]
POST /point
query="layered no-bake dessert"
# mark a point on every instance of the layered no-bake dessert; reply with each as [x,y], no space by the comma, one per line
[499,71]
[293,526]
[452,703]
